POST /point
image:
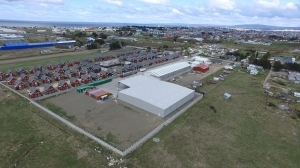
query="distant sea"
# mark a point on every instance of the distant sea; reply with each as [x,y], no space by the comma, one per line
[19,23]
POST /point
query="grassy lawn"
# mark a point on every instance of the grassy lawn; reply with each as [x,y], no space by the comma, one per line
[238,132]
[30,138]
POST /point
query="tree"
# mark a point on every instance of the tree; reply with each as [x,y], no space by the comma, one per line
[123,43]
[165,47]
[148,49]
[100,41]
[94,34]
[277,66]
[103,36]
[264,63]
[114,45]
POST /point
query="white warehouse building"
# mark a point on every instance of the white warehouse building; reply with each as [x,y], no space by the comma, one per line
[153,95]
[169,71]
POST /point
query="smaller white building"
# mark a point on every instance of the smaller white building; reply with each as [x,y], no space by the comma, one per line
[169,71]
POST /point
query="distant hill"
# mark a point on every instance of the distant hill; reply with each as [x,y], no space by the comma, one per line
[265,27]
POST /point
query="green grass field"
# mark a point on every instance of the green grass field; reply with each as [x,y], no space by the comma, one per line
[31,138]
[240,132]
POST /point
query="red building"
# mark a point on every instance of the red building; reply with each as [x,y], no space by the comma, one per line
[11,80]
[201,68]
[62,85]
[2,76]
[24,77]
[46,79]
[10,73]
[32,70]
[49,89]
[33,82]
[50,67]
[85,79]
[19,85]
[34,92]
[74,82]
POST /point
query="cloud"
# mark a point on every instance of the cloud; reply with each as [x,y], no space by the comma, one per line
[114,2]
[162,2]
[176,11]
[222,4]
[276,4]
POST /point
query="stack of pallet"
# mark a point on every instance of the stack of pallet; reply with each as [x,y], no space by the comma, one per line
[97,93]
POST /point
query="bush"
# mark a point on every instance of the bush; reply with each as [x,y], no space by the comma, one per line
[271,104]
[280,83]
[293,116]
[213,108]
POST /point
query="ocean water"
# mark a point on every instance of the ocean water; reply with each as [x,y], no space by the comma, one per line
[18,23]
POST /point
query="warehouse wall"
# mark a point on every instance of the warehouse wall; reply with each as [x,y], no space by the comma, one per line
[141,104]
[154,109]
[175,106]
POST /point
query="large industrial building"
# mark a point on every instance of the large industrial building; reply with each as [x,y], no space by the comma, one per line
[153,95]
[25,45]
[169,71]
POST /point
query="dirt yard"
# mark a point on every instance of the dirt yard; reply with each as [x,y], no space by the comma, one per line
[118,124]
[187,79]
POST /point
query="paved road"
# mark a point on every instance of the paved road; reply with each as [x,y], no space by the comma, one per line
[47,56]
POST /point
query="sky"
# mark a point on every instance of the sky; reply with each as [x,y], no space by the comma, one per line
[213,12]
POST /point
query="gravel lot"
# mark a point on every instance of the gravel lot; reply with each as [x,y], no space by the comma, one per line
[127,125]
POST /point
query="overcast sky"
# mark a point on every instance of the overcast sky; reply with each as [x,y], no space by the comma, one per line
[221,12]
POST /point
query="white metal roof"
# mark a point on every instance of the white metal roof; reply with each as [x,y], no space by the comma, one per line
[156,92]
[158,72]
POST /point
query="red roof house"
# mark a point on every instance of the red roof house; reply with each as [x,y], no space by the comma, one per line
[49,89]
[11,80]
[74,82]
[34,92]
[33,82]
[24,77]
[62,85]
[46,79]
[19,85]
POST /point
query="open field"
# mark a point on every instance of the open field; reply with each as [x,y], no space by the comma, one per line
[240,132]
[275,49]
[30,138]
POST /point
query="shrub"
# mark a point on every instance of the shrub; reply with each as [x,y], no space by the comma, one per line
[293,116]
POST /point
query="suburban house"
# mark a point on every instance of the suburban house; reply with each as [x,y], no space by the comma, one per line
[19,85]
[94,76]
[24,77]
[11,80]
[10,73]
[50,67]
[34,92]
[32,70]
[74,82]
[20,71]
[33,82]
[49,89]
[2,76]
[103,74]
[57,76]
[85,79]
[62,85]
[46,79]
[39,67]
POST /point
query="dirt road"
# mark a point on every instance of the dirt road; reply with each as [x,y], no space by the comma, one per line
[47,56]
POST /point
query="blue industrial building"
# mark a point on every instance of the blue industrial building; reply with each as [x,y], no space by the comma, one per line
[26,45]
